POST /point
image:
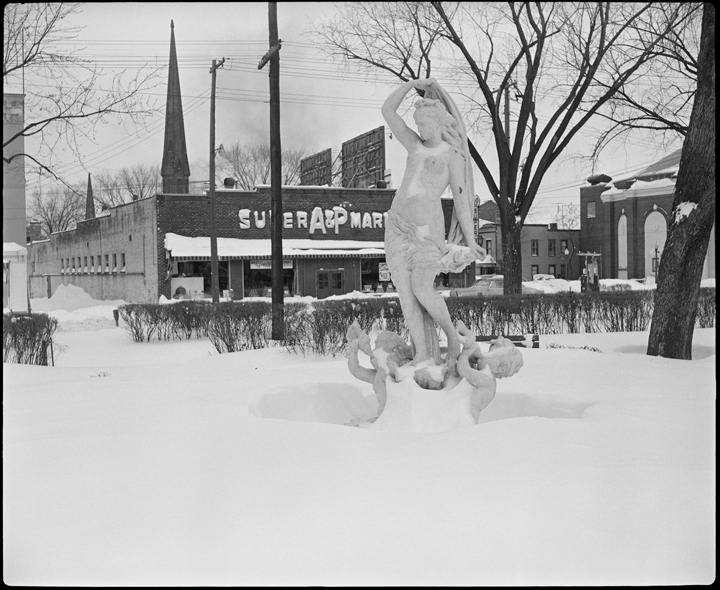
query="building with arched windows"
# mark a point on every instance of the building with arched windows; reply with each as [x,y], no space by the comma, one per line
[626,221]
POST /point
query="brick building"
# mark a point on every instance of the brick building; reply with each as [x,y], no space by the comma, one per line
[333,243]
[626,221]
[545,248]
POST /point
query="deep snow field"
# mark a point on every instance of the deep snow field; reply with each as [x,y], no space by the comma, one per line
[165,463]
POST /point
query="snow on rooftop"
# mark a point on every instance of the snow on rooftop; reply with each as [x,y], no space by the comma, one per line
[183,246]
[662,185]
[483,222]
[10,247]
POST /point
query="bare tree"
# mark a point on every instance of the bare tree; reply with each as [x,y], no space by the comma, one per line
[108,190]
[561,63]
[692,216]
[141,180]
[65,95]
[250,165]
[567,216]
[59,208]
[129,184]
[661,105]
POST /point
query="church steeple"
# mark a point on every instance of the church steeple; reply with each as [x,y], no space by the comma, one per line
[175,170]
[90,202]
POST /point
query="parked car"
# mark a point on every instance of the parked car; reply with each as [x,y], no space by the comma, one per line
[489,285]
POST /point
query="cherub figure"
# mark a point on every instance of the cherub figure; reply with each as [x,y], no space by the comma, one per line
[482,371]
[390,349]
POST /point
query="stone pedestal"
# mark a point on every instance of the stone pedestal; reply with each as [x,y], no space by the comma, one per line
[410,408]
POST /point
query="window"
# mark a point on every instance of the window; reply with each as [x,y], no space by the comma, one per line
[107,262]
[73,265]
[488,247]
[534,270]
[85,267]
[323,280]
[534,248]
[122,262]
[551,269]
[336,279]
[591,209]
[115,268]
[563,246]
[551,248]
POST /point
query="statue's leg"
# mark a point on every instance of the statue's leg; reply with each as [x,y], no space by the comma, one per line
[434,304]
[431,337]
[413,312]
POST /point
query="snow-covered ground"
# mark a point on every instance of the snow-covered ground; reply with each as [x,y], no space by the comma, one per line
[164,463]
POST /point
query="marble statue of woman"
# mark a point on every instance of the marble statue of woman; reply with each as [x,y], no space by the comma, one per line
[415,243]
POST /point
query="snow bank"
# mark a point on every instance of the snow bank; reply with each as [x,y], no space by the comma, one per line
[76,310]
[586,469]
[71,298]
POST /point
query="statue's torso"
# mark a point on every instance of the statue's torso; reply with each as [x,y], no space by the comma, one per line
[427,175]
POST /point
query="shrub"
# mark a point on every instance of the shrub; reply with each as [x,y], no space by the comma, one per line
[706,309]
[138,321]
[26,338]
[235,326]
[320,327]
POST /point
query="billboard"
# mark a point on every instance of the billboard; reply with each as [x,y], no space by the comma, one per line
[316,170]
[363,159]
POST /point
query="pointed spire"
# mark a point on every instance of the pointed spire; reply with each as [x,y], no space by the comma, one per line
[175,169]
[90,202]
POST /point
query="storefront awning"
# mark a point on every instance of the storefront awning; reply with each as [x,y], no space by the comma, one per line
[185,248]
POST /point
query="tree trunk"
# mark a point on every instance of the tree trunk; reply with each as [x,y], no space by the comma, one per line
[681,264]
[512,258]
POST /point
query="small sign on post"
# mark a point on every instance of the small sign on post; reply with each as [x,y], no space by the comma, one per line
[384,272]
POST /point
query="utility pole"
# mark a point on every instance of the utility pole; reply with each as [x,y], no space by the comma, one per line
[214,278]
[273,56]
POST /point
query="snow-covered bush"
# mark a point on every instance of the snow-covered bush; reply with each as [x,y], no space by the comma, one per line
[27,338]
[706,309]
[239,326]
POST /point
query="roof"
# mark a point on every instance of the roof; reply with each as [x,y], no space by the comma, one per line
[667,165]
[183,247]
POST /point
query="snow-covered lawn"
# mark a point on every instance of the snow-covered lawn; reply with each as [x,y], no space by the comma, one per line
[165,463]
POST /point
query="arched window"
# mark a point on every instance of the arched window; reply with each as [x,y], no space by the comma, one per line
[622,252]
[655,236]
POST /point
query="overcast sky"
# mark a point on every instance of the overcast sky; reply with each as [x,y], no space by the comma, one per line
[320,107]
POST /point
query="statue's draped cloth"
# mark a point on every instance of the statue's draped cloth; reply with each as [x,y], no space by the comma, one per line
[467,198]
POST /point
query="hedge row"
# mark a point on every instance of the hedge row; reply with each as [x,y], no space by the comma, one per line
[321,326]
[27,338]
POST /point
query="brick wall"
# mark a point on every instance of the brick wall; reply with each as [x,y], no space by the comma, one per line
[128,229]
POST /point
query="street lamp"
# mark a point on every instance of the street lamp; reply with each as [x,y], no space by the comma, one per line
[568,255]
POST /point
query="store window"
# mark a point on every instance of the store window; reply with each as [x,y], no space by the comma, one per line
[370,272]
